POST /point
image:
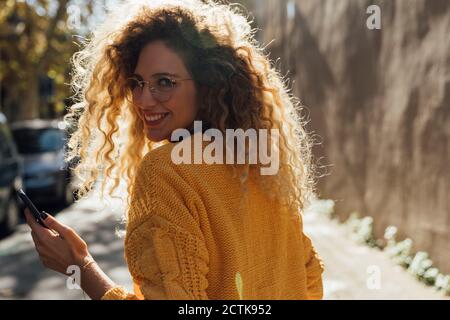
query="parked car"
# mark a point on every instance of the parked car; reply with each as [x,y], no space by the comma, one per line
[42,144]
[11,170]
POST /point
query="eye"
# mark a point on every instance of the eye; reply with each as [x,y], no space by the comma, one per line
[165,83]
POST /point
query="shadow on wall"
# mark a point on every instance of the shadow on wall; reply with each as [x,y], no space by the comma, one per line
[379,99]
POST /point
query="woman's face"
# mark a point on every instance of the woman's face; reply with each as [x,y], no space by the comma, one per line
[159,65]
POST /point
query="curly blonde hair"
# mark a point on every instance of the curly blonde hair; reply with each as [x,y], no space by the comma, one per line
[217,44]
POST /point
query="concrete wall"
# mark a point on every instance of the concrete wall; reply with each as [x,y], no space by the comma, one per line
[380,101]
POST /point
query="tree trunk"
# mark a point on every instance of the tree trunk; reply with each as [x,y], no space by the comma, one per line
[29,107]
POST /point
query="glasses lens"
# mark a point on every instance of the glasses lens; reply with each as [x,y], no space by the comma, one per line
[163,88]
[134,87]
[164,84]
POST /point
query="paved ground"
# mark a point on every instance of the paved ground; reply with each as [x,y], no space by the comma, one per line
[23,277]
[354,271]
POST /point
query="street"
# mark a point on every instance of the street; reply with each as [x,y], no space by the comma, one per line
[347,264]
[22,275]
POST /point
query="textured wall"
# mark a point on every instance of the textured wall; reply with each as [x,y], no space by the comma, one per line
[380,99]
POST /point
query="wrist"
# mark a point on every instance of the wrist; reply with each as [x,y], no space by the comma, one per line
[94,281]
[83,259]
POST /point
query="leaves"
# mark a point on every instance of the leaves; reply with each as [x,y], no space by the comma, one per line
[35,40]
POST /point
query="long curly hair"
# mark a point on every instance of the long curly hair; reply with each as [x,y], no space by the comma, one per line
[218,46]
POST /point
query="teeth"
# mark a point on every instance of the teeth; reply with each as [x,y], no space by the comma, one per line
[154,117]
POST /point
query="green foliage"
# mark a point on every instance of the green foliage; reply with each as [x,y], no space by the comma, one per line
[443,283]
[361,228]
[35,41]
[400,252]
[419,265]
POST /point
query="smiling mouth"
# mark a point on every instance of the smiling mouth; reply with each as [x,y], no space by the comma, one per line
[155,118]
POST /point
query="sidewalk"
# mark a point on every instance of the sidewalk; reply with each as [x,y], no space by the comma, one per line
[350,266]
[22,276]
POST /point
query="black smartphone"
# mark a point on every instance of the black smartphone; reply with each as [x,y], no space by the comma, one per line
[38,216]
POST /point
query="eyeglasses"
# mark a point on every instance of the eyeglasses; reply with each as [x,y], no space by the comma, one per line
[161,87]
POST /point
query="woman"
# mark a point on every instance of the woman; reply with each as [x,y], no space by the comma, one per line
[194,231]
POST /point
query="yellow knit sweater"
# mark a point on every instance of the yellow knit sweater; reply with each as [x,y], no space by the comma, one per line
[188,238]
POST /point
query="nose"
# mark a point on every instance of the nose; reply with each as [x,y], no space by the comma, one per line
[146,99]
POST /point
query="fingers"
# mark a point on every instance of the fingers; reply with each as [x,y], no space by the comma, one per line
[35,226]
[65,231]
[54,224]
[37,243]
[56,229]
[30,219]
[42,247]
[35,239]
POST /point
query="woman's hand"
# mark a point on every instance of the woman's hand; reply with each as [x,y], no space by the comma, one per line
[62,247]
[57,250]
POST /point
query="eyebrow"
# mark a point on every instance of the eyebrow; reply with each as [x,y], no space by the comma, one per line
[174,75]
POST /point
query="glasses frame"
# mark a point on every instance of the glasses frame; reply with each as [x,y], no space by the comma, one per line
[154,90]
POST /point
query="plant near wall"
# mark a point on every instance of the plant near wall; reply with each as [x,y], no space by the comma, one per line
[399,252]
[361,229]
[419,264]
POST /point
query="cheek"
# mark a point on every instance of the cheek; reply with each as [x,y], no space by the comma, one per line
[184,107]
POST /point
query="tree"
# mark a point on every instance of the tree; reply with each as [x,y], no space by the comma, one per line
[35,42]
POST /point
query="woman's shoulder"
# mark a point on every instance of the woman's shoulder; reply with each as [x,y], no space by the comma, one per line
[165,160]
[161,154]
[159,164]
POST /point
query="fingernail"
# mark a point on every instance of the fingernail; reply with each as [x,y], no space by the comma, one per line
[44,215]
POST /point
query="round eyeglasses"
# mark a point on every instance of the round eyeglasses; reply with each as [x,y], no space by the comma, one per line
[161,87]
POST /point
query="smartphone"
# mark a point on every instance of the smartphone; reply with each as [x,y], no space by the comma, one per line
[38,216]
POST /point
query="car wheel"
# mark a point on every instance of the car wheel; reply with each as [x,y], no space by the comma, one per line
[11,219]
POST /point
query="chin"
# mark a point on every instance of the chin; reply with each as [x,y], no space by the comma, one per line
[155,136]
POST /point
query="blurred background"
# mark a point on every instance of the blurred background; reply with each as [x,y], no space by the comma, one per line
[374,78]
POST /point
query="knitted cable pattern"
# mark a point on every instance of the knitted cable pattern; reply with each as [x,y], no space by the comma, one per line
[188,237]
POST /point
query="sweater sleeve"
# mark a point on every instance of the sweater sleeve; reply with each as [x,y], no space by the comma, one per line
[314,270]
[164,246]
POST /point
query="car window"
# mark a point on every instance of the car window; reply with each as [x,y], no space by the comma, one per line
[31,141]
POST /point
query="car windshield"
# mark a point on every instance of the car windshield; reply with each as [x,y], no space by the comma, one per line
[31,141]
